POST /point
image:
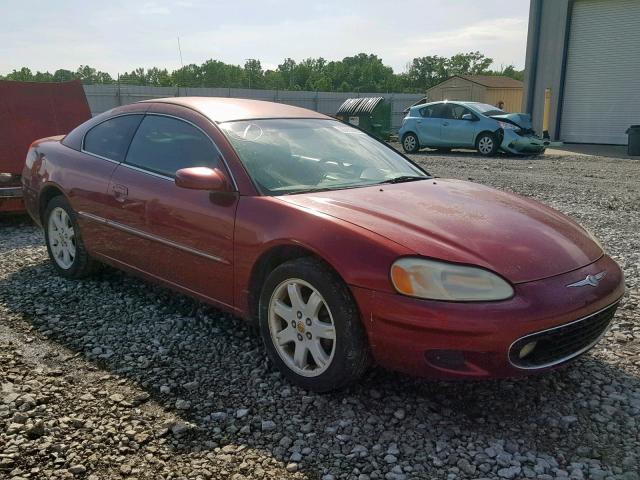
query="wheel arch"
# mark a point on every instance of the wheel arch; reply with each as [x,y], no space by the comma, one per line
[409,132]
[268,261]
[47,193]
[497,134]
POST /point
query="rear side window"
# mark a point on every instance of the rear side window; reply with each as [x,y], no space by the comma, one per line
[433,111]
[110,139]
[164,145]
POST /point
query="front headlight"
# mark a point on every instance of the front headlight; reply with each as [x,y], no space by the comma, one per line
[508,126]
[6,178]
[430,279]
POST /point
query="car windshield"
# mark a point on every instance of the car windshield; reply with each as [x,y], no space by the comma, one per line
[488,110]
[285,156]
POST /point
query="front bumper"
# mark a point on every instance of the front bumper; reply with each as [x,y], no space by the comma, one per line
[11,199]
[522,144]
[473,340]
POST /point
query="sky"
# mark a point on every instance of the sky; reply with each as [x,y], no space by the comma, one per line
[117,35]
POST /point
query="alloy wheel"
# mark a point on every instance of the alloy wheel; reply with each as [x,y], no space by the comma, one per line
[61,237]
[302,328]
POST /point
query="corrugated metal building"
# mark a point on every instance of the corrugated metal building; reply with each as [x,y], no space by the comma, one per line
[583,69]
[491,89]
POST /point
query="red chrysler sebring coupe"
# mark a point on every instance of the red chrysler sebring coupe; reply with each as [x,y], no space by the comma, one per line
[341,249]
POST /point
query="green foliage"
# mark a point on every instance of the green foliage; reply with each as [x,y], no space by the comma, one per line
[85,73]
[425,72]
[359,73]
[510,71]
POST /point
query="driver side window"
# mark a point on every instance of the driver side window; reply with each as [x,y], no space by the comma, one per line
[164,145]
[455,112]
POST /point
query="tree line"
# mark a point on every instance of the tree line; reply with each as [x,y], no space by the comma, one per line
[359,73]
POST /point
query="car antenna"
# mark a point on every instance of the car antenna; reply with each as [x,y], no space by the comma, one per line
[181,65]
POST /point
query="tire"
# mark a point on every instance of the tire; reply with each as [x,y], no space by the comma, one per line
[62,234]
[410,143]
[486,144]
[332,341]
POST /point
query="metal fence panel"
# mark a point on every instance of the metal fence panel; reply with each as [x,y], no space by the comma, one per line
[104,97]
[101,97]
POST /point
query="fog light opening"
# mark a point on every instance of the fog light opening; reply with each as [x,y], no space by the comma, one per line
[527,349]
[448,359]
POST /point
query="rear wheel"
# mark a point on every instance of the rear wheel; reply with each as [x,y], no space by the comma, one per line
[311,327]
[486,144]
[410,143]
[64,242]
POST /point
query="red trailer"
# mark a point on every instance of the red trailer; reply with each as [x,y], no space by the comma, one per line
[28,111]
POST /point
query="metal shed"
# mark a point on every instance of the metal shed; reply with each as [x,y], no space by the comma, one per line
[372,114]
[491,89]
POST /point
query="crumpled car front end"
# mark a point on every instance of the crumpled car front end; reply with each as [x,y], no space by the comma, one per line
[522,143]
[518,136]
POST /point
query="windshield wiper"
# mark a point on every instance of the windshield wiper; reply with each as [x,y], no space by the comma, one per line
[405,178]
[322,189]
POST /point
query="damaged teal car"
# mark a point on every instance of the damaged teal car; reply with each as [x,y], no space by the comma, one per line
[485,128]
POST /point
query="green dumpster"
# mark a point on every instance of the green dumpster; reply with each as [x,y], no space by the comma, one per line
[371,114]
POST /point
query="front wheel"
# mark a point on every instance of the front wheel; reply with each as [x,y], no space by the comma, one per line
[311,327]
[410,143]
[486,144]
[64,242]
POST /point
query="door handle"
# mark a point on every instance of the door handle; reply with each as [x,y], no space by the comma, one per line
[418,121]
[120,192]
[444,124]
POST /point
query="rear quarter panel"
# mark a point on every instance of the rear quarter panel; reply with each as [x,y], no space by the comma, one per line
[81,178]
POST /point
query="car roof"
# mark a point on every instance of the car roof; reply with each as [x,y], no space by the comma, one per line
[455,102]
[222,109]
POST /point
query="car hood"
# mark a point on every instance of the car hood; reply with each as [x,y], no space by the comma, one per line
[464,222]
[522,120]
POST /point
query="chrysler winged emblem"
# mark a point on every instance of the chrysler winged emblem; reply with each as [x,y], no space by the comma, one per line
[591,280]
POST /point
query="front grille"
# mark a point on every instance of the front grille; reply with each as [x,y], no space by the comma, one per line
[10,192]
[559,344]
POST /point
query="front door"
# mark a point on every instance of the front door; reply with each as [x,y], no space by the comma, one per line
[457,132]
[182,236]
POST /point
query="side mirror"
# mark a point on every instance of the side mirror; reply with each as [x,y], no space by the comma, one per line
[202,178]
[468,116]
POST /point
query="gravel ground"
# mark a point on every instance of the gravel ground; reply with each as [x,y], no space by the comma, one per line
[113,377]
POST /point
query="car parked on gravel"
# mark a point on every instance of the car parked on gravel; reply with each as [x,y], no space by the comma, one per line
[341,249]
[446,125]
